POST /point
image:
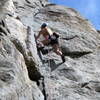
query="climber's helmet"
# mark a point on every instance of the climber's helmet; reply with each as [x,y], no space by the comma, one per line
[44,25]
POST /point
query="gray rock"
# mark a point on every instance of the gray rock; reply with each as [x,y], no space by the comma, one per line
[22,64]
[79,42]
[14,80]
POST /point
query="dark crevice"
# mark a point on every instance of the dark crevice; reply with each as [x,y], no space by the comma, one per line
[96,85]
[41,3]
[28,1]
[47,5]
[69,38]
[30,62]
[84,84]
[91,85]
[97,89]
[9,14]
[44,91]
[42,87]
[30,5]
[98,31]
[36,13]
[3,27]
[19,46]
[21,7]
[33,72]
[76,54]
[36,4]
[6,77]
[18,18]
[53,13]
[41,82]
[2,23]
[3,30]
[1,34]
[8,30]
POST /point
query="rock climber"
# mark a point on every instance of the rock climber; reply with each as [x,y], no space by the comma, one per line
[50,38]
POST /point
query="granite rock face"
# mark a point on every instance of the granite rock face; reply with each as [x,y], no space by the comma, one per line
[14,80]
[28,74]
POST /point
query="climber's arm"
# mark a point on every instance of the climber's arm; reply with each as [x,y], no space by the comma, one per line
[38,35]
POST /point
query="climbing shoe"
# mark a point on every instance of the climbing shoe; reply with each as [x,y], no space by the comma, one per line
[63,58]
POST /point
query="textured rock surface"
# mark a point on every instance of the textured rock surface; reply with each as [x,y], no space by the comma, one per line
[14,80]
[22,66]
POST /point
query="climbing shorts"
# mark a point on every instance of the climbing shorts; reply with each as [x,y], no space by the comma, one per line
[53,40]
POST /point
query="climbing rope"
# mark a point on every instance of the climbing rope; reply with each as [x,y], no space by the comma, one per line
[48,84]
